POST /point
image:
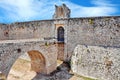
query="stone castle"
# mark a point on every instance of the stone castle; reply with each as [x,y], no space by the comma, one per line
[91,44]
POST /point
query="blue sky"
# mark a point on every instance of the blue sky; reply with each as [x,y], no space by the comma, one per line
[28,10]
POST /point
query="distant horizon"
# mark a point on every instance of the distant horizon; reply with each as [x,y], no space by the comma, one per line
[12,11]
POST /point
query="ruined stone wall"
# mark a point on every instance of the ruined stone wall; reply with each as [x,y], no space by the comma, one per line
[27,30]
[98,31]
[61,12]
[102,63]
[42,30]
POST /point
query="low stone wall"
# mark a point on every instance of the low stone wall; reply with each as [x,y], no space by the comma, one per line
[102,63]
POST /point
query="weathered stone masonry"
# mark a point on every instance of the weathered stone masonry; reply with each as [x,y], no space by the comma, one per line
[11,50]
[27,30]
[100,32]
[101,63]
[95,31]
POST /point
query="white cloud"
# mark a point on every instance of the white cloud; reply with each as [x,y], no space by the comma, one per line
[101,8]
[20,10]
[102,2]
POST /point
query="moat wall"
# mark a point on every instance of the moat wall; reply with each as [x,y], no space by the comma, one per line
[98,31]
[95,31]
[102,63]
[92,31]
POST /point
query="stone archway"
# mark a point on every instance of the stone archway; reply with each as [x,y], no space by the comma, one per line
[38,63]
[28,64]
[21,69]
[11,51]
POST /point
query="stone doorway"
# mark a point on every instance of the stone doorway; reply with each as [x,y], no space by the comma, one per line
[60,34]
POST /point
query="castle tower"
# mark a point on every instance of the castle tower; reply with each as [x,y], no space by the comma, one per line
[61,12]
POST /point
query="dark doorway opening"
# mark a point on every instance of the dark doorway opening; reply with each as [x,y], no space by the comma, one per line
[60,34]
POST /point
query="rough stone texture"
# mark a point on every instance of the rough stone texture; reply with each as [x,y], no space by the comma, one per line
[98,62]
[60,52]
[27,30]
[3,32]
[92,31]
[12,49]
[95,31]
[61,12]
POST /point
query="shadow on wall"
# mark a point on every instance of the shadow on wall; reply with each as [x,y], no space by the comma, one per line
[37,61]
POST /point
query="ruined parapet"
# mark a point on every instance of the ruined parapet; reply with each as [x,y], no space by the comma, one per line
[61,12]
